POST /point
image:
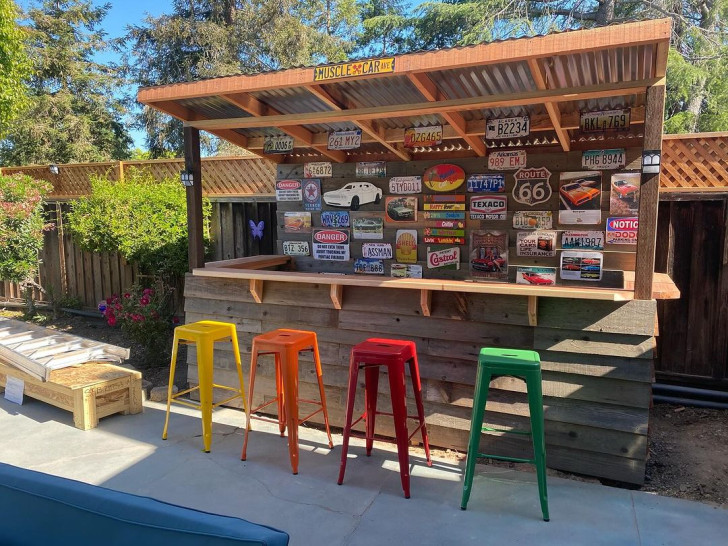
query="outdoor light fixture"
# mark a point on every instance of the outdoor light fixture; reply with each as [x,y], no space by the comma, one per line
[53,168]
[187,178]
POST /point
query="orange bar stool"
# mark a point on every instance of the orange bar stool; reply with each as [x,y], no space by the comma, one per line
[371,355]
[285,345]
[203,335]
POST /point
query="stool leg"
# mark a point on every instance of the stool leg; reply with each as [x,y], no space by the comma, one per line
[279,393]
[204,372]
[371,389]
[351,395]
[535,405]
[289,373]
[322,393]
[251,381]
[399,412]
[239,366]
[172,366]
[482,382]
[417,388]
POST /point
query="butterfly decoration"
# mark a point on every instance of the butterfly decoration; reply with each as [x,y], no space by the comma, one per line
[257,229]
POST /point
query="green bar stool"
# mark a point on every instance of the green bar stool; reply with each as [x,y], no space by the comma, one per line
[525,365]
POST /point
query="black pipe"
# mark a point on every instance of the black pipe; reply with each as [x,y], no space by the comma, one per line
[688,402]
[691,392]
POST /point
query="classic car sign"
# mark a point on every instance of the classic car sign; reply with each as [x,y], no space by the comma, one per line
[296,248]
[334,219]
[536,243]
[597,122]
[331,244]
[532,219]
[353,195]
[345,140]
[532,186]
[369,266]
[492,183]
[368,228]
[289,190]
[401,209]
[449,257]
[443,178]
[297,222]
[420,137]
[536,276]
[580,197]
[603,160]
[312,194]
[488,207]
[353,69]
[406,245]
[382,251]
[489,255]
[371,169]
[406,271]
[317,169]
[624,196]
[507,127]
[582,240]
[277,144]
[508,160]
[445,215]
[622,231]
[581,266]
[405,184]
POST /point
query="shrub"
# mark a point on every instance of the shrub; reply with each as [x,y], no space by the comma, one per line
[140,217]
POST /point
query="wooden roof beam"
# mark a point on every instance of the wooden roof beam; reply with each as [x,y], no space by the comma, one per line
[552,108]
[430,91]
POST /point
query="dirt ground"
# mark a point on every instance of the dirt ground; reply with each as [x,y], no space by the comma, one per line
[688,447]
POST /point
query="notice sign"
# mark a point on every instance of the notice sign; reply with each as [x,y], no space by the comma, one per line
[345,140]
[508,127]
[331,244]
[582,240]
[289,190]
[506,160]
[416,137]
[353,69]
[296,248]
[371,169]
[536,243]
[622,231]
[312,194]
[597,122]
[317,169]
[405,184]
[533,219]
[603,160]
[487,183]
[381,251]
[488,207]
[277,144]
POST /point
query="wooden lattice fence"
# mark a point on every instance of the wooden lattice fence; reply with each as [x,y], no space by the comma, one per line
[694,162]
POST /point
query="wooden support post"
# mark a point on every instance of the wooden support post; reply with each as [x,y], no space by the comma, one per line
[337,295]
[426,302]
[649,197]
[533,310]
[256,290]
[193,164]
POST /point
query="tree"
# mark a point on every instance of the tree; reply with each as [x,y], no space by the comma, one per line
[13,65]
[73,114]
[385,26]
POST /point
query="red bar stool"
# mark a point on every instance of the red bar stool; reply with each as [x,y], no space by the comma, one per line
[285,346]
[392,353]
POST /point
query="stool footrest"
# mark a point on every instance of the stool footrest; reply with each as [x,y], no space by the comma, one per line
[505,458]
[185,403]
[489,429]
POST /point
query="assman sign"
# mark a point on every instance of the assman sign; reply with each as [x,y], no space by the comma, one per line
[353,69]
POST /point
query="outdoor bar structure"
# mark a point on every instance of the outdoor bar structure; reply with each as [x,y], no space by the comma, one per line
[461,198]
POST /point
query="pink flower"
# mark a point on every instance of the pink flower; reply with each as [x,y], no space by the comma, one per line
[175,320]
[108,300]
[111,320]
[127,295]
[144,300]
[147,291]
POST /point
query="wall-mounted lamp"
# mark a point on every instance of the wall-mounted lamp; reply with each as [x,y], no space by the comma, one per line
[53,168]
[187,178]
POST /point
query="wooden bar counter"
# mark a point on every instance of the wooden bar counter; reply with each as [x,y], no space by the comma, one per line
[596,348]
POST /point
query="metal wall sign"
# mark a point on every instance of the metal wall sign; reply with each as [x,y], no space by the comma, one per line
[296,248]
[278,144]
[452,224]
[533,219]
[369,266]
[532,186]
[443,178]
[334,219]
[312,194]
[444,240]
[582,240]
[444,215]
[354,69]
[604,160]
[405,184]
[289,190]
[382,251]
[406,245]
[345,140]
[491,183]
[371,169]
[317,169]
[368,228]
[605,120]
[536,243]
[507,127]
[622,231]
[489,255]
[581,266]
[406,271]
[508,160]
[488,207]
[449,257]
[536,276]
[419,137]
[331,244]
[580,195]
[297,222]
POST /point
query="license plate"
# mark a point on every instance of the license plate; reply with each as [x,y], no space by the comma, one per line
[507,127]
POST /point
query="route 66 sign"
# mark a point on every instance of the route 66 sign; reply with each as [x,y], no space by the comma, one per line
[532,186]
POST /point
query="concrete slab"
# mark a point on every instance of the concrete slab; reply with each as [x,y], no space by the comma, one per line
[127,453]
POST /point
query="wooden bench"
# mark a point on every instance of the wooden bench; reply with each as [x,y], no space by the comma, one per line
[91,391]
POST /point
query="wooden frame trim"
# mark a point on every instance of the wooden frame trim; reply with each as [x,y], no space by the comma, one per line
[552,108]
[426,302]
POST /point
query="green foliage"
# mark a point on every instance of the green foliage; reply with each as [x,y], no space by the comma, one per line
[21,226]
[142,218]
[14,65]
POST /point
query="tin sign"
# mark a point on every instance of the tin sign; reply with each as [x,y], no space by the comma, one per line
[444,177]
[406,271]
[382,251]
[444,240]
[488,207]
[369,266]
[288,190]
[622,231]
[444,206]
[371,169]
[532,186]
[317,169]
[417,137]
[508,127]
[582,240]
[451,224]
[345,140]
[368,228]
[353,69]
[277,144]
[489,255]
[536,276]
[331,244]
[606,120]
[437,232]
[508,160]
[450,257]
[445,215]
[536,243]
[405,184]
[491,183]
[580,197]
[296,248]
[334,219]
[401,209]
[406,245]
[581,266]
[604,160]
[297,222]
[312,194]
[533,219]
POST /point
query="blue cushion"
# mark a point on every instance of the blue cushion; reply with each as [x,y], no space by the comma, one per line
[37,508]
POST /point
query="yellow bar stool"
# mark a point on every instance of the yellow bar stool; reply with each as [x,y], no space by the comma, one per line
[204,334]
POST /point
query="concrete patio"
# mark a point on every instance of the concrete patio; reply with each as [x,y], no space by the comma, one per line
[127,453]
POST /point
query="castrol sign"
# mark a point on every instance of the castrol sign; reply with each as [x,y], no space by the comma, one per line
[450,257]
[622,231]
